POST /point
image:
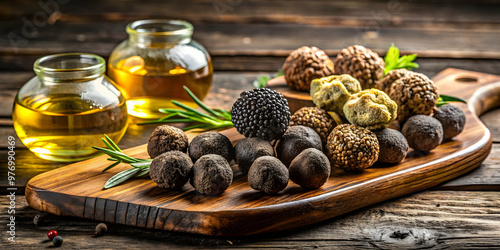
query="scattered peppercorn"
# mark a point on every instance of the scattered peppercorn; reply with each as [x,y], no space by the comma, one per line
[310,169]
[268,174]
[57,241]
[393,145]
[249,149]
[452,119]
[166,138]
[211,143]
[101,229]
[211,174]
[295,140]
[51,234]
[423,132]
[171,169]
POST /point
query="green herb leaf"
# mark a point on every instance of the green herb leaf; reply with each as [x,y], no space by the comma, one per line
[121,177]
[261,81]
[394,61]
[444,99]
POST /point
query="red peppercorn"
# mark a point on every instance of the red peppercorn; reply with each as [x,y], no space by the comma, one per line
[51,234]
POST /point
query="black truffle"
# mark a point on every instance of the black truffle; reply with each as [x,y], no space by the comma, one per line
[295,140]
[310,169]
[423,132]
[452,119]
[211,143]
[262,113]
[171,169]
[393,145]
[248,150]
[166,138]
[211,174]
[267,174]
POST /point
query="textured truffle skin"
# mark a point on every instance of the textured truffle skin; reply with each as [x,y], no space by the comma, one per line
[385,83]
[423,132]
[262,113]
[315,118]
[166,138]
[371,109]
[295,140]
[211,143]
[267,174]
[352,148]
[171,169]
[414,94]
[310,169]
[305,64]
[452,119]
[211,175]
[331,92]
[249,149]
[361,63]
[393,146]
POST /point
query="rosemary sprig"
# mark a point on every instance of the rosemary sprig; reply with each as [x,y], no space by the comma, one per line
[445,99]
[394,61]
[212,119]
[262,80]
[140,166]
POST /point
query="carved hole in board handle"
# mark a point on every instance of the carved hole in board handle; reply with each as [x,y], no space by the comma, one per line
[467,79]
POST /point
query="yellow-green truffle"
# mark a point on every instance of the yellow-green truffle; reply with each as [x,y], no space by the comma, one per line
[331,92]
[371,109]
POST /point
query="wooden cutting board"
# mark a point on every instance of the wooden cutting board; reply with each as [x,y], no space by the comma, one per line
[76,189]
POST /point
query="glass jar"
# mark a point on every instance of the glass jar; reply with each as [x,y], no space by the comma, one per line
[154,64]
[65,110]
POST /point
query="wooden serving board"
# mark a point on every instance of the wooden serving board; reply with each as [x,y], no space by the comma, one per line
[76,190]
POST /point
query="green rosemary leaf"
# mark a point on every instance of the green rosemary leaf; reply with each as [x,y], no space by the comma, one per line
[186,107]
[202,126]
[121,177]
[113,144]
[140,164]
[444,99]
[111,166]
[143,172]
[117,155]
[200,103]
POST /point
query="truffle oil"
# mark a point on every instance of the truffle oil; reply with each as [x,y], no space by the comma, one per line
[64,127]
[149,88]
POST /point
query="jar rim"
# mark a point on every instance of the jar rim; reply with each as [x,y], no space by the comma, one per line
[64,66]
[184,28]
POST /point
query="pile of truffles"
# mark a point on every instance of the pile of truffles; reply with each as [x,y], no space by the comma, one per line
[204,162]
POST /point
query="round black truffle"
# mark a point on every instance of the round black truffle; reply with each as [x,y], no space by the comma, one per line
[452,119]
[171,169]
[423,132]
[267,174]
[262,113]
[310,169]
[393,145]
[166,138]
[211,174]
[248,150]
[295,140]
[211,143]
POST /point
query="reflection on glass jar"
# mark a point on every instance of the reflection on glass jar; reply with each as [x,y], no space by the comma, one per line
[65,110]
[154,64]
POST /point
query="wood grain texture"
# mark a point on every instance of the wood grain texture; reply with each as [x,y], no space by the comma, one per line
[431,219]
[243,211]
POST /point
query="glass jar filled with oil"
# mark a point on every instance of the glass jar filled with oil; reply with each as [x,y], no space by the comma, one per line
[154,64]
[65,110]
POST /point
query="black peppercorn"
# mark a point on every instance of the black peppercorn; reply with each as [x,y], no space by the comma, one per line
[101,229]
[57,241]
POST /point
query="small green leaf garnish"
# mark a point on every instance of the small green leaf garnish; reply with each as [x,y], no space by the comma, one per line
[140,166]
[394,61]
[212,119]
[262,80]
[444,99]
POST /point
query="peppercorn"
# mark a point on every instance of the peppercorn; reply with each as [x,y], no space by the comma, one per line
[57,241]
[101,229]
[51,234]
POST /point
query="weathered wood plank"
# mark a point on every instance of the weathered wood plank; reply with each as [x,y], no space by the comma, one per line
[381,12]
[263,39]
[432,219]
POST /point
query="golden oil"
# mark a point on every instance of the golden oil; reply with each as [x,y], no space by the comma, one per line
[149,88]
[63,127]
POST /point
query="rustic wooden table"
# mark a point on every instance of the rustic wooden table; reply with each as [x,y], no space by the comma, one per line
[247,38]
